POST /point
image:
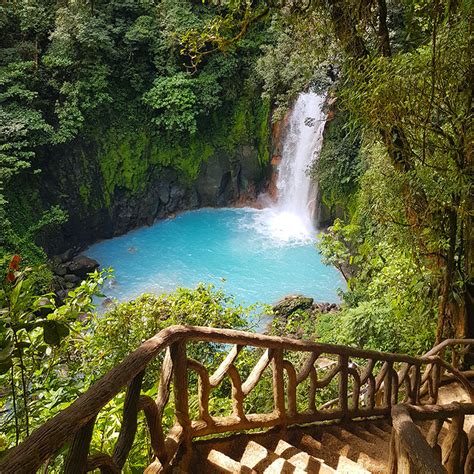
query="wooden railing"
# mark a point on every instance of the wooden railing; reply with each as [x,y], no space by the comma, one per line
[458,350]
[445,372]
[410,451]
[375,382]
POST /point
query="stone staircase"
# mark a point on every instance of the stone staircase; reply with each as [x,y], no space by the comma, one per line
[358,447]
[352,447]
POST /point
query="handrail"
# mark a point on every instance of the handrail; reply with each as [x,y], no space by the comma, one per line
[77,420]
[411,452]
[432,355]
[439,351]
[407,441]
[448,342]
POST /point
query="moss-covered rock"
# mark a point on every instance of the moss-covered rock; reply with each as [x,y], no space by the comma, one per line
[338,167]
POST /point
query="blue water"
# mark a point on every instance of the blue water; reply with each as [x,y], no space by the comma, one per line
[254,255]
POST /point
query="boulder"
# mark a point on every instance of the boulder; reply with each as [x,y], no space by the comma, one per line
[61,295]
[71,278]
[60,270]
[325,307]
[82,265]
[291,303]
[66,256]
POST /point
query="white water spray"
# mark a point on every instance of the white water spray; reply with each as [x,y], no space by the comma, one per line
[294,215]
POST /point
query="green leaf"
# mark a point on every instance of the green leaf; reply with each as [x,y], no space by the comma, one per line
[5,366]
[54,331]
[6,348]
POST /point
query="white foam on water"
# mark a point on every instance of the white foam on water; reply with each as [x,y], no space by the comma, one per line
[279,228]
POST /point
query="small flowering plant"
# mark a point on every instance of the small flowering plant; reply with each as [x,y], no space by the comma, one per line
[13,269]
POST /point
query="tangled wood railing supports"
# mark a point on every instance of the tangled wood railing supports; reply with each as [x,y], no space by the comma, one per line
[368,383]
[410,451]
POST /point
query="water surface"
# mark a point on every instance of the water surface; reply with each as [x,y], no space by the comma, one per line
[255,255]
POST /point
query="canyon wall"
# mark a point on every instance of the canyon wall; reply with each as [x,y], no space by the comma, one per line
[117,177]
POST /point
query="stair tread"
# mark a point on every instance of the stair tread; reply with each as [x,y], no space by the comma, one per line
[375,430]
[358,435]
[222,463]
[302,459]
[384,425]
[355,449]
[263,460]
[337,461]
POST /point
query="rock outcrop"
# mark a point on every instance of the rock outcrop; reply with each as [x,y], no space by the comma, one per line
[109,185]
[292,303]
[70,270]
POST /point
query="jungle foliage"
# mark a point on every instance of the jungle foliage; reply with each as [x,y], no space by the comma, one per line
[53,352]
[396,166]
[94,69]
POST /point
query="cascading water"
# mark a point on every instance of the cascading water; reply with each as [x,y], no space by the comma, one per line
[296,190]
[293,216]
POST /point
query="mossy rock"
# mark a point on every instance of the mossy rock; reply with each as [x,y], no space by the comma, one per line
[292,303]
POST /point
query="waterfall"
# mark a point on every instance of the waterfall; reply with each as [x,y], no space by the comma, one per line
[302,143]
[293,217]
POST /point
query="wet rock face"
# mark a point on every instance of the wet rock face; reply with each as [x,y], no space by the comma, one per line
[95,212]
[297,308]
[80,266]
[70,273]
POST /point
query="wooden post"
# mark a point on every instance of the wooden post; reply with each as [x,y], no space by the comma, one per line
[395,387]
[392,459]
[404,464]
[388,385]
[292,385]
[76,460]
[237,394]
[279,386]
[180,388]
[454,448]
[436,380]
[155,418]
[417,384]
[180,384]
[343,383]
[129,421]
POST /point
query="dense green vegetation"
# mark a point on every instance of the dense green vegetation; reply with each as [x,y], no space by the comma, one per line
[108,84]
[176,82]
[51,353]
[396,167]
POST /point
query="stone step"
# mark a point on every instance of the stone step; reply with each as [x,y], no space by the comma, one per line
[302,459]
[357,434]
[384,425]
[358,456]
[360,431]
[221,463]
[262,460]
[339,462]
[376,431]
[368,454]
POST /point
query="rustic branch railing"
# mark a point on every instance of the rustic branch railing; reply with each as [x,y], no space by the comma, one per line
[430,382]
[375,382]
[458,348]
[410,451]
